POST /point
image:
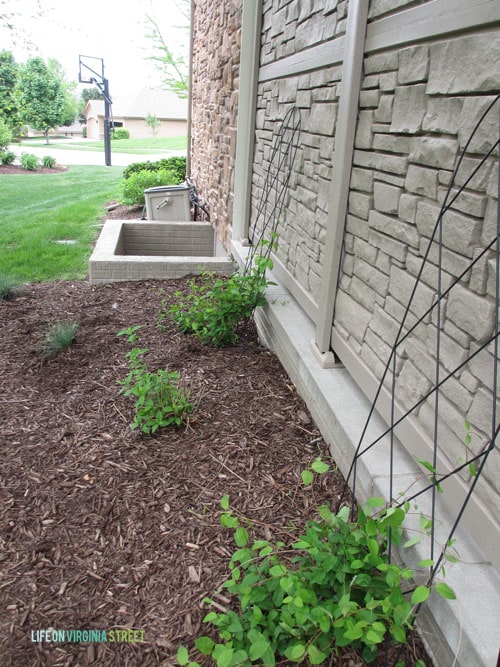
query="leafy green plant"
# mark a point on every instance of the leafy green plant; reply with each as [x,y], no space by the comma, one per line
[120,133]
[7,157]
[333,587]
[8,286]
[175,164]
[132,188]
[161,399]
[59,336]
[30,161]
[48,161]
[214,307]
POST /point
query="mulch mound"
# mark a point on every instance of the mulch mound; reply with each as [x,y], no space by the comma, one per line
[105,528]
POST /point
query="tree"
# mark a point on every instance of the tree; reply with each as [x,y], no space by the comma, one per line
[8,78]
[153,122]
[40,96]
[70,109]
[171,64]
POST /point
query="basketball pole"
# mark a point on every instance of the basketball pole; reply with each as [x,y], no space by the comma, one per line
[103,84]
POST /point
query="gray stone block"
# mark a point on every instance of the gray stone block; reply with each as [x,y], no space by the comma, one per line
[413,64]
[465,65]
[400,231]
[409,109]
[471,312]
[434,152]
[386,197]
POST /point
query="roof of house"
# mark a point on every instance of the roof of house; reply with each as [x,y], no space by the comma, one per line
[154,101]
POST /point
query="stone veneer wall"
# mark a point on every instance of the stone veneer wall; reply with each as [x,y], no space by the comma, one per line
[287,29]
[418,104]
[216,53]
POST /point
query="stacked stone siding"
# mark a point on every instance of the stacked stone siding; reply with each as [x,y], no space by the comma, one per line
[418,107]
[215,82]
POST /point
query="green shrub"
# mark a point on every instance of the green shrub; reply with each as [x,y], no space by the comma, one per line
[161,400]
[30,161]
[334,586]
[132,188]
[59,336]
[177,165]
[8,287]
[7,157]
[5,136]
[120,133]
[214,307]
[48,161]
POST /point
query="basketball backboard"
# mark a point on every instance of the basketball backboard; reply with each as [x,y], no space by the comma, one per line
[90,69]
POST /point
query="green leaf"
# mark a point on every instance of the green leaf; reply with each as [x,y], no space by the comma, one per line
[320,466]
[426,464]
[412,542]
[398,633]
[376,501]
[204,644]
[182,655]
[258,648]
[316,657]
[224,502]
[445,591]
[307,477]
[241,536]
[420,594]
[225,656]
[427,562]
[295,652]
[277,571]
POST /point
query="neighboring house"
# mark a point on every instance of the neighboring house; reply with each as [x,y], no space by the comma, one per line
[131,113]
[389,92]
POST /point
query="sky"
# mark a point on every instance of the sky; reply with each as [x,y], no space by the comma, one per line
[109,29]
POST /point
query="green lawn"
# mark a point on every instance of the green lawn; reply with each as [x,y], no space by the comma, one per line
[132,146]
[38,210]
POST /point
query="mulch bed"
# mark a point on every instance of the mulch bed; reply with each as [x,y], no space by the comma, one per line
[17,169]
[105,528]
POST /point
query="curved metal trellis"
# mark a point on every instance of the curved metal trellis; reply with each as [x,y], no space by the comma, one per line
[440,377]
[283,152]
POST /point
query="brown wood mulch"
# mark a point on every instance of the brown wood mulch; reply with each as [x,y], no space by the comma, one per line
[105,528]
[17,169]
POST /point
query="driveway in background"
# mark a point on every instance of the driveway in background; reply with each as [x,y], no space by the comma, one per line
[75,156]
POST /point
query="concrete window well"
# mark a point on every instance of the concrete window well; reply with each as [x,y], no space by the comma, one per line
[144,250]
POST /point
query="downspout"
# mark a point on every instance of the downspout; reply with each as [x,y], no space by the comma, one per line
[245,128]
[341,173]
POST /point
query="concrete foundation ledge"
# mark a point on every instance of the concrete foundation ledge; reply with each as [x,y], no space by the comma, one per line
[457,633]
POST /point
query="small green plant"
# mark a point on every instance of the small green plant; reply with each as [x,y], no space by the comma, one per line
[59,336]
[161,399]
[7,157]
[214,307]
[48,161]
[29,161]
[120,133]
[333,587]
[8,286]
[132,188]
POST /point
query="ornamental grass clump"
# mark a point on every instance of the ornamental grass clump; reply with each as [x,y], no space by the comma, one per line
[60,335]
[8,286]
